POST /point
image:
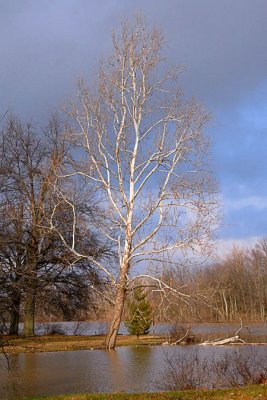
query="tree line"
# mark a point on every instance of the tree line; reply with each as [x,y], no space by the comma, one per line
[231,289]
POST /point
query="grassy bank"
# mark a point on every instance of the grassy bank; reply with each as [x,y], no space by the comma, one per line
[15,345]
[246,393]
[68,343]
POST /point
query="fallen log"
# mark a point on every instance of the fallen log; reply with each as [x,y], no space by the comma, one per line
[219,342]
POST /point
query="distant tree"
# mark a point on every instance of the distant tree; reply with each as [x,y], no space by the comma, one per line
[231,289]
[139,317]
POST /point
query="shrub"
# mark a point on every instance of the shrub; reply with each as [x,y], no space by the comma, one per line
[139,314]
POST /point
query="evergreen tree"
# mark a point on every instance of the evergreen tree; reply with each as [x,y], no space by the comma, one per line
[139,314]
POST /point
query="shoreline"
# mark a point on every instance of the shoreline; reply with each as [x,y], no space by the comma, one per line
[56,343]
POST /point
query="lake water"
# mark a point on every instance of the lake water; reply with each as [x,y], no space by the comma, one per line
[129,369]
[101,327]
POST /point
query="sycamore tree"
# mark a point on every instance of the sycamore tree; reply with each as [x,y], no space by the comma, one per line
[140,148]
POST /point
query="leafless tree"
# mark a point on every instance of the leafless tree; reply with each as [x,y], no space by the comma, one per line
[28,176]
[34,263]
[12,264]
[142,150]
[234,285]
[259,275]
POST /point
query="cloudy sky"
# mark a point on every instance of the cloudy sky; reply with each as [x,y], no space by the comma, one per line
[46,44]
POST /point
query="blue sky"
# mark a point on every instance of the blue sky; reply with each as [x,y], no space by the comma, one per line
[45,45]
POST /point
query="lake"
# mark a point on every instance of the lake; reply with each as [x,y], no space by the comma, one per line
[101,327]
[129,369]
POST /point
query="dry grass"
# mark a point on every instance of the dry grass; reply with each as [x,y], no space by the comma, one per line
[48,343]
[67,343]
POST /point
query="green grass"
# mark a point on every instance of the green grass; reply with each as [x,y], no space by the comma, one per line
[247,393]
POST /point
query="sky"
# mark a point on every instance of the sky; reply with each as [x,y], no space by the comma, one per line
[46,44]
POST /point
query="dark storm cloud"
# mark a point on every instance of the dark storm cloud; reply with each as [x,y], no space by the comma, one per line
[45,45]
[221,41]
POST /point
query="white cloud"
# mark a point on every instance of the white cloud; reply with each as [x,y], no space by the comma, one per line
[224,246]
[257,202]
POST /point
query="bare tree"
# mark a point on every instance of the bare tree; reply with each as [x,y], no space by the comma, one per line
[259,278]
[12,262]
[34,263]
[28,166]
[143,152]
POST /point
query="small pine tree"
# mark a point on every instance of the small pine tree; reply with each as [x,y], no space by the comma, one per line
[139,317]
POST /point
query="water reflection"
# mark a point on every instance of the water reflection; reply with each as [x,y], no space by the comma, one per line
[130,369]
[139,362]
[117,371]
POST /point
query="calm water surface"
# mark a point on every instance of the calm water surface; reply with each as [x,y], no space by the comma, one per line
[130,369]
[100,327]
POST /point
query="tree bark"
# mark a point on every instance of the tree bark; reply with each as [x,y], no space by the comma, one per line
[14,320]
[118,309]
[115,326]
[29,311]
[29,307]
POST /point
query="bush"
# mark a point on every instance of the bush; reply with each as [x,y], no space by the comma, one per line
[190,370]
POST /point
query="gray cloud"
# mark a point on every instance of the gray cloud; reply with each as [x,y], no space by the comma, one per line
[45,45]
